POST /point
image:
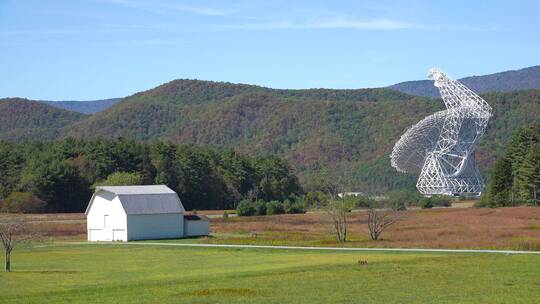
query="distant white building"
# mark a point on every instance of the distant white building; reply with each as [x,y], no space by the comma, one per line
[344,194]
[125,213]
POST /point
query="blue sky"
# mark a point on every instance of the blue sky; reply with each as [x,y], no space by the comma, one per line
[93,49]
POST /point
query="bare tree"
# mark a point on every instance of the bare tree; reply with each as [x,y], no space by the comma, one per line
[13,230]
[337,206]
[338,209]
[379,220]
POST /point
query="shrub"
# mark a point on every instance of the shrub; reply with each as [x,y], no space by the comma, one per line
[245,208]
[426,203]
[532,202]
[365,201]
[315,199]
[23,202]
[292,208]
[225,215]
[403,197]
[481,203]
[274,207]
[301,203]
[435,201]
[441,200]
[260,207]
[398,206]
[286,206]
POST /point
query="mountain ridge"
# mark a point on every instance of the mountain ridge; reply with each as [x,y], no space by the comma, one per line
[85,107]
[512,80]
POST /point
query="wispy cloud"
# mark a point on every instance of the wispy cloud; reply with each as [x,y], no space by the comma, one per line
[347,23]
[157,42]
[105,28]
[372,24]
[166,7]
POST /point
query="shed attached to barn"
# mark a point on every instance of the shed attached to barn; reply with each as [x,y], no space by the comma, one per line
[125,213]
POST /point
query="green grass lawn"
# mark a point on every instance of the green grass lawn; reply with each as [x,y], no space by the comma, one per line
[153,274]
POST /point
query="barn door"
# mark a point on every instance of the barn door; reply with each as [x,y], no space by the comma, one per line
[107,231]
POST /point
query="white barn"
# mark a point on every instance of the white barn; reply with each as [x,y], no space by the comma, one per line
[125,213]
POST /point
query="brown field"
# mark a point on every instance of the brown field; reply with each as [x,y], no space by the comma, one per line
[508,228]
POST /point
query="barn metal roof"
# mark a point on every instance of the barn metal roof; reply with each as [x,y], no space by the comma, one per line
[128,190]
[154,199]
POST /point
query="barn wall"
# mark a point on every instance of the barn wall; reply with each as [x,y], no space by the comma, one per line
[155,226]
[196,228]
[106,203]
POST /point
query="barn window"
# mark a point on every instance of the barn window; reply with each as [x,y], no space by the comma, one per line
[106,221]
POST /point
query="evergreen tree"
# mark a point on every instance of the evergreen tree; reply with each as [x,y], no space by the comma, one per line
[516,177]
[528,176]
[500,184]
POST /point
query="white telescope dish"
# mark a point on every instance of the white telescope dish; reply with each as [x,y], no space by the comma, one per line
[441,146]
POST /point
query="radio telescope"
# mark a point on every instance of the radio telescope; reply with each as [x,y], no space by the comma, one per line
[441,146]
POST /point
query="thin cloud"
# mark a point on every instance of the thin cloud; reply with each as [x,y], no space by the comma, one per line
[106,28]
[161,7]
[373,24]
[350,24]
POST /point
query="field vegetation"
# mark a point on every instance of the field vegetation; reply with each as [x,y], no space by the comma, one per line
[466,228]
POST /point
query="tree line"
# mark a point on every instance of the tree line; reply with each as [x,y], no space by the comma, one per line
[59,176]
[515,177]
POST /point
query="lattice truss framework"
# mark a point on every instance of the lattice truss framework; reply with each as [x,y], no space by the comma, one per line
[441,146]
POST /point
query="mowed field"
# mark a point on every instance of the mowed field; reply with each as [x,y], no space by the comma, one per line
[135,273]
[515,228]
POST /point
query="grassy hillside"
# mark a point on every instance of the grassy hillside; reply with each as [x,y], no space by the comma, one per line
[25,119]
[119,273]
[528,78]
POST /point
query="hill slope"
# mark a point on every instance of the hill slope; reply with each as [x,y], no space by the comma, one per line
[22,119]
[342,132]
[345,132]
[527,78]
[86,107]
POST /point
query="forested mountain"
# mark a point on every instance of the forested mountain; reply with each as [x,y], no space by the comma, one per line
[22,119]
[527,78]
[347,133]
[86,107]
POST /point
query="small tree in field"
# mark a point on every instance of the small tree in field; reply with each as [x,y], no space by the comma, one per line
[379,220]
[12,231]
